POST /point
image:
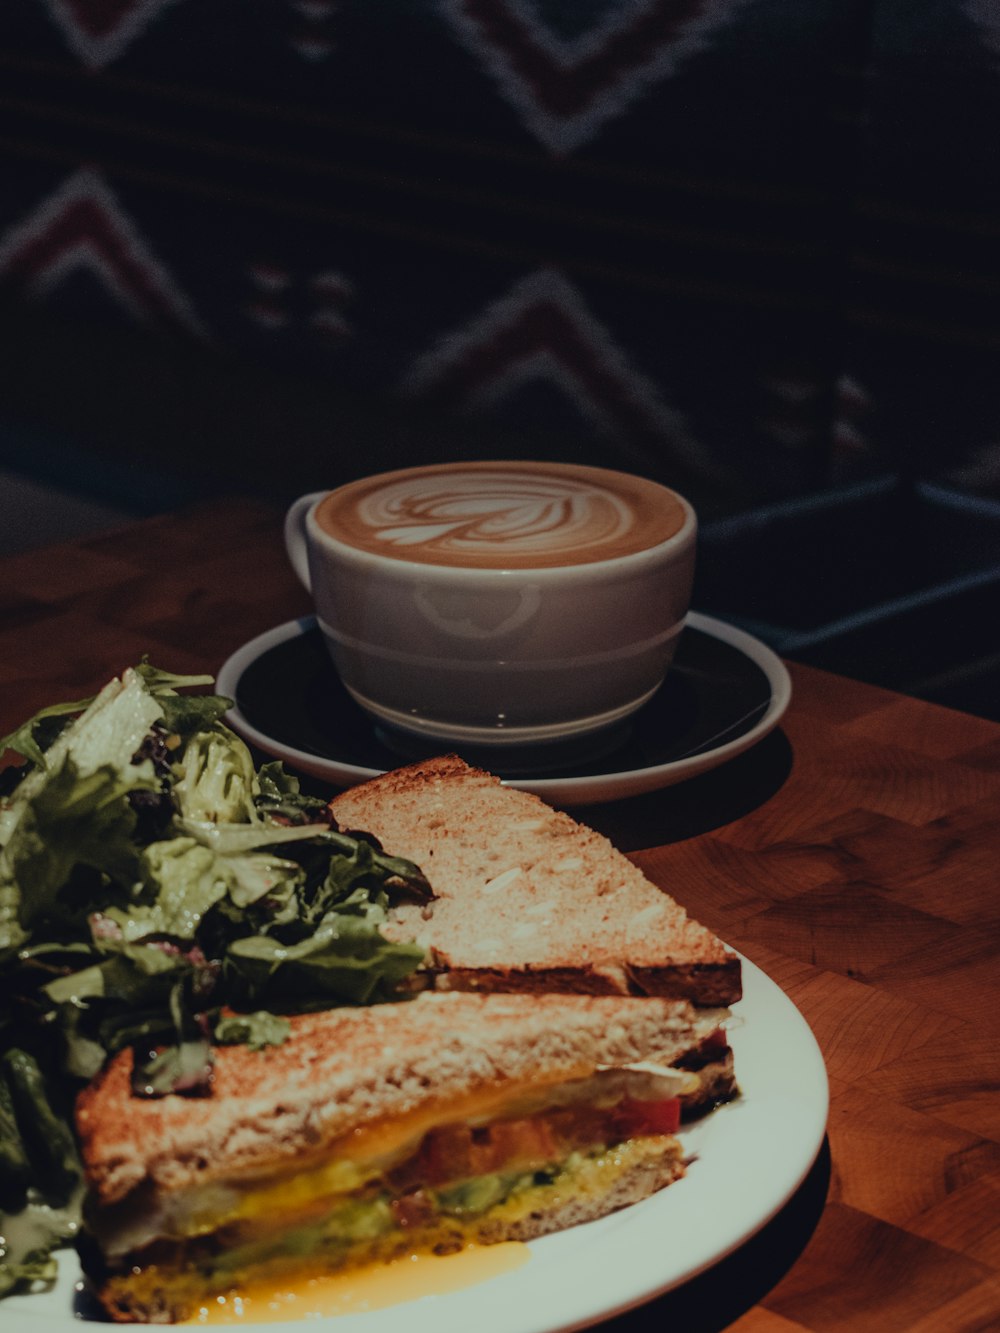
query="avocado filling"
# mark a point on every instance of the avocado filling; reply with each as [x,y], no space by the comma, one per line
[375,1226]
[467,1180]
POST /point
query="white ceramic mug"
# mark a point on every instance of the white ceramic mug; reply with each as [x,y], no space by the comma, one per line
[497,603]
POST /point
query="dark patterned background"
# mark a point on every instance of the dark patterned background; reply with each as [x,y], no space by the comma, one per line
[746,246]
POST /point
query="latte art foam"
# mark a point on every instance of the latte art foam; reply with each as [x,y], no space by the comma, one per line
[502,515]
[490,513]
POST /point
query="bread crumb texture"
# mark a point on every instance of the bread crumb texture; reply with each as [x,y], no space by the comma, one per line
[498,859]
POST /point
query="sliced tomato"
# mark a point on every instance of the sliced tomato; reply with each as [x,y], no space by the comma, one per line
[462,1152]
[444,1155]
[524,1143]
[633,1117]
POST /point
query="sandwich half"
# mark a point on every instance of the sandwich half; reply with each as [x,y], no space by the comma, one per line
[526,898]
[424,1125]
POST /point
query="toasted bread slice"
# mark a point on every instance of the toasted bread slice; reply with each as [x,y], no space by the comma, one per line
[526,897]
[364,1134]
[343,1068]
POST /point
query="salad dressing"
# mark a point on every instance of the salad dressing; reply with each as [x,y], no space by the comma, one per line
[363,1289]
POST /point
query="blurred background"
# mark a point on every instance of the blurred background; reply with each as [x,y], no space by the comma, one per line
[746,247]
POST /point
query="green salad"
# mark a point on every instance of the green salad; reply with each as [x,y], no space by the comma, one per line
[160,892]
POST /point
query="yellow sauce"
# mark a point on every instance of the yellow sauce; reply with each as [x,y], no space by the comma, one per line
[362,1289]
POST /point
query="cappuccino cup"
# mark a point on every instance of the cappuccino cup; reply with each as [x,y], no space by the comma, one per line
[497,604]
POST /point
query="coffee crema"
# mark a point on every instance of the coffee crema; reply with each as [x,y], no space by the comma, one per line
[504,515]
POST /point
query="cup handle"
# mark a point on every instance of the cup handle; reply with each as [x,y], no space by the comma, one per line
[295,535]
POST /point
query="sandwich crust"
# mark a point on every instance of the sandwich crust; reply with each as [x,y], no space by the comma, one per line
[526,898]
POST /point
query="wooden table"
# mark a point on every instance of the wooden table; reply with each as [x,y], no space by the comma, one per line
[853,855]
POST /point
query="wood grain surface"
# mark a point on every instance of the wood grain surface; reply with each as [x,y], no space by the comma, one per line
[853,855]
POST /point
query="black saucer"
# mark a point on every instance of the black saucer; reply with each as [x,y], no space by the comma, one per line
[724,692]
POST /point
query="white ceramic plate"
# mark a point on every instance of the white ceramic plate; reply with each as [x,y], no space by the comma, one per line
[751,1157]
[725,692]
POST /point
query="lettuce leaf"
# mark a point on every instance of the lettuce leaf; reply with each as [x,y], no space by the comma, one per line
[43,1127]
[217,781]
[255,1030]
[37,1270]
[31,738]
[344,960]
[73,820]
[15,1167]
[159,892]
[40,1175]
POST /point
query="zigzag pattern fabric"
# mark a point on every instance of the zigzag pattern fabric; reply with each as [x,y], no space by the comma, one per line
[747,247]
